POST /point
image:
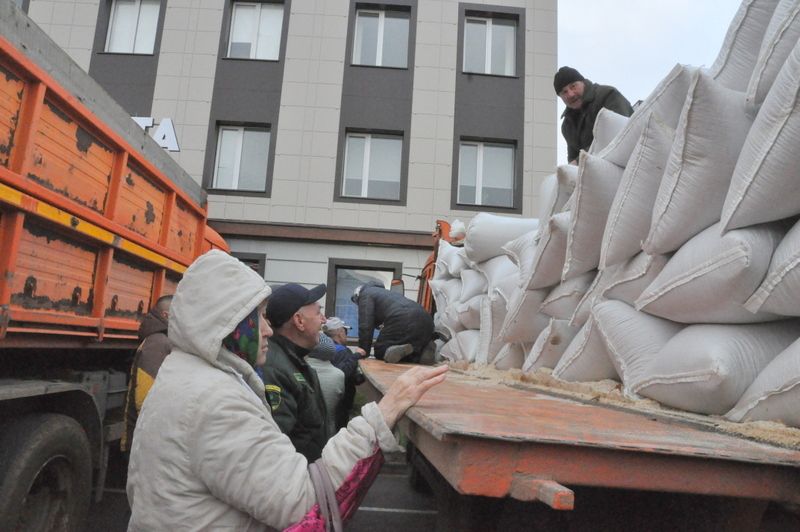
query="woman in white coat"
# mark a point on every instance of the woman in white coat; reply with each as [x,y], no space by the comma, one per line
[206,452]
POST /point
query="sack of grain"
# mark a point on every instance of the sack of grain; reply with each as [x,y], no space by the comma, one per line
[448,261]
[563,299]
[550,345]
[764,183]
[523,321]
[586,358]
[445,292]
[708,139]
[633,276]
[511,356]
[666,101]
[707,368]
[500,272]
[607,125]
[775,393]
[710,277]
[633,339]
[469,312]
[780,38]
[779,292]
[629,217]
[462,346]
[487,233]
[541,266]
[556,190]
[597,185]
[473,283]
[737,58]
[493,313]
[592,295]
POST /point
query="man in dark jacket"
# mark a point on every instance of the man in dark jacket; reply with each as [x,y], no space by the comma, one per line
[153,348]
[291,385]
[407,330]
[584,100]
[347,361]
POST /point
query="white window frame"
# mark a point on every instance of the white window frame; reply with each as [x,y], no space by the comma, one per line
[238,159]
[112,19]
[254,37]
[379,45]
[487,66]
[479,172]
[365,178]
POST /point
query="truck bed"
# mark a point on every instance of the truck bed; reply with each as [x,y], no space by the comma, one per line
[489,439]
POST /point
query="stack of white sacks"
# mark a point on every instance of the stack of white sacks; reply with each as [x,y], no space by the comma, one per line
[669,258]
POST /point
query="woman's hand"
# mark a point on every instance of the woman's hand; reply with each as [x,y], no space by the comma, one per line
[407,389]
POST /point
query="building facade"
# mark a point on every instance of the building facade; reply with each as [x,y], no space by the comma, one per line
[332,134]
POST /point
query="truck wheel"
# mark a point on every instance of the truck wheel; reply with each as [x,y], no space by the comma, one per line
[45,474]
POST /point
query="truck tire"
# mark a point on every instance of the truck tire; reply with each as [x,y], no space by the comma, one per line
[45,474]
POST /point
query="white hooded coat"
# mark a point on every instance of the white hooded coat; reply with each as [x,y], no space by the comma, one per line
[206,452]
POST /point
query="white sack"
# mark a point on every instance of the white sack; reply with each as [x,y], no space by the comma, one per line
[666,101]
[469,312]
[709,279]
[775,393]
[780,38]
[779,292]
[447,261]
[597,185]
[632,277]
[592,295]
[737,58]
[493,313]
[462,346]
[707,368]
[633,339]
[607,125]
[556,190]
[450,320]
[523,321]
[457,230]
[473,283]
[629,217]
[764,183]
[563,299]
[542,268]
[586,358]
[708,138]
[550,345]
[445,292]
[500,272]
[511,356]
[548,196]
[487,233]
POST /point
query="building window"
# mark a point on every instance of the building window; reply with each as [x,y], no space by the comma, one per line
[133,25]
[486,174]
[255,31]
[343,278]
[255,261]
[372,166]
[490,46]
[381,38]
[241,162]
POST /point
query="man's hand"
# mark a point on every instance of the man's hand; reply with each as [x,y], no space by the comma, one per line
[360,352]
[407,389]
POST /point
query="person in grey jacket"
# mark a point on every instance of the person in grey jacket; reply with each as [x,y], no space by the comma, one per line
[584,100]
[406,328]
[207,453]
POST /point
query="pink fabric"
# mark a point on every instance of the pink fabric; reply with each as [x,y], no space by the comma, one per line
[349,495]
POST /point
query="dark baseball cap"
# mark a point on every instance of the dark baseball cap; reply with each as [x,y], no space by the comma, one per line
[287,299]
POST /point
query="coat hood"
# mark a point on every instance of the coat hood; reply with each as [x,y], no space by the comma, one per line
[215,294]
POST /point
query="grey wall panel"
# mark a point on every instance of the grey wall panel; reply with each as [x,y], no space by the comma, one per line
[490,107]
[129,78]
[377,99]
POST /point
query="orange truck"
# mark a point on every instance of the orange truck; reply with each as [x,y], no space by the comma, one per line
[96,223]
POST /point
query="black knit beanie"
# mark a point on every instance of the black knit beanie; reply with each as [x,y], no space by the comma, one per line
[565,76]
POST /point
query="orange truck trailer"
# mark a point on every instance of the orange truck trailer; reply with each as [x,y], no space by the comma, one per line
[96,223]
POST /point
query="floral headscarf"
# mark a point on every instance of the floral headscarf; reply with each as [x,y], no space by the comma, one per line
[243,341]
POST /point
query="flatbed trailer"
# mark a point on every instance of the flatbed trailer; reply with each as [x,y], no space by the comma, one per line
[489,450]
